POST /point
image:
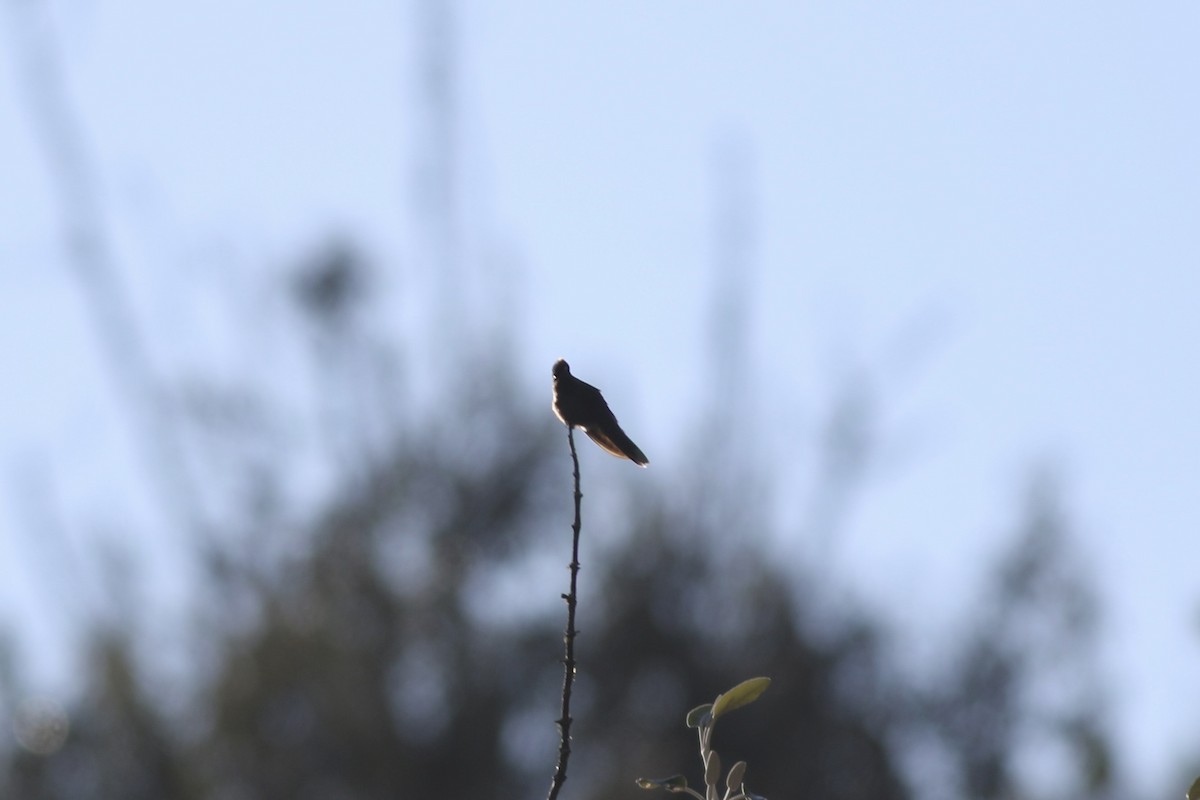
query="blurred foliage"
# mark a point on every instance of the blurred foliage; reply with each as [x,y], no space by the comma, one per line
[361,645]
[374,615]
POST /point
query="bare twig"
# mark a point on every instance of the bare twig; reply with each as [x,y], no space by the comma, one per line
[564,721]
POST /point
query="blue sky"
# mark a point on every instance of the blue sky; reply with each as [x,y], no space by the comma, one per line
[1015,187]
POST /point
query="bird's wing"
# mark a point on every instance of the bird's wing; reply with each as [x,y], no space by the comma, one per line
[614,440]
[600,437]
[586,388]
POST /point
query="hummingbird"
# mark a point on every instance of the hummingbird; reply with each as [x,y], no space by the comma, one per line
[580,405]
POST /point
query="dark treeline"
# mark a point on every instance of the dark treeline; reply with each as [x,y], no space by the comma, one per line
[372,653]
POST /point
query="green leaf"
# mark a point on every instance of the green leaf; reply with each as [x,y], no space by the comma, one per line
[712,769]
[736,773]
[1194,792]
[699,715]
[745,692]
[675,783]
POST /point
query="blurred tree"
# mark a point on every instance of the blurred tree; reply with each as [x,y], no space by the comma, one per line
[679,623]
[118,744]
[369,659]
[359,634]
[1021,705]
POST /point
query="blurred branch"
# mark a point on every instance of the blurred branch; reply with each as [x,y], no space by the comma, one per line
[436,181]
[734,224]
[56,565]
[91,256]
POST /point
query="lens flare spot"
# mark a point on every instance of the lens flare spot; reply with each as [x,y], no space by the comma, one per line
[40,725]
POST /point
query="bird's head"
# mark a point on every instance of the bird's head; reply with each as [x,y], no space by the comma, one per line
[561,369]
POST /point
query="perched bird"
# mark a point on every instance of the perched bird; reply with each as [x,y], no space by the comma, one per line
[580,405]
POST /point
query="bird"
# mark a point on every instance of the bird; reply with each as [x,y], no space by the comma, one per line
[580,405]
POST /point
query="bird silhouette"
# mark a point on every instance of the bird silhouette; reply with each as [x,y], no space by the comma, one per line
[580,405]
